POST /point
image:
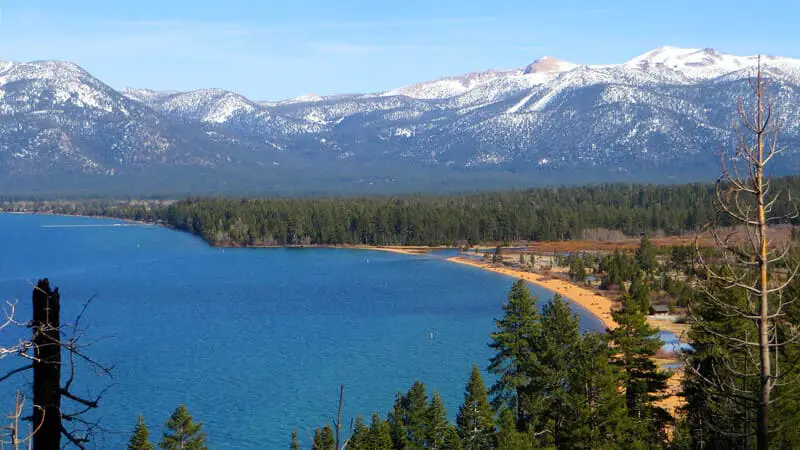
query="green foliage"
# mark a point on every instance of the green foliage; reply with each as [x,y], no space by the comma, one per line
[681,258]
[475,419]
[722,414]
[554,347]
[574,388]
[640,293]
[324,439]
[513,345]
[361,436]
[577,268]
[380,437]
[646,255]
[536,215]
[508,437]
[140,440]
[451,440]
[438,429]
[618,267]
[636,343]
[497,257]
[410,419]
[295,444]
[183,433]
[594,415]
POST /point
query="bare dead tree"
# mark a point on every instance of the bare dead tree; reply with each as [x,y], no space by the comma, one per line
[16,436]
[744,268]
[339,417]
[57,410]
[21,346]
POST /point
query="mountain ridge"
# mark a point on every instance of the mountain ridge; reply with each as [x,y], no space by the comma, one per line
[666,112]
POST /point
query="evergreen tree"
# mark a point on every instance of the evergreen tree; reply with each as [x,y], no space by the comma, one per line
[417,415]
[577,268]
[360,439]
[295,445]
[475,419]
[512,343]
[556,348]
[380,437]
[595,416]
[646,255]
[437,426]
[141,436]
[410,418]
[451,440]
[324,439]
[183,433]
[397,424]
[497,257]
[724,418]
[640,293]
[508,437]
[636,343]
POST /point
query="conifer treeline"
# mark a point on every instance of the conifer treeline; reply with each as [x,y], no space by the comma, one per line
[542,214]
[534,215]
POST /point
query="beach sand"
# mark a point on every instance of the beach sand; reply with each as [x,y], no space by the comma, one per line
[407,250]
[598,305]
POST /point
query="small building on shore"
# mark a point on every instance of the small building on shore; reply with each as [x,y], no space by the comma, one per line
[659,309]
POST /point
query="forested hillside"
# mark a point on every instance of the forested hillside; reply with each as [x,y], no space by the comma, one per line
[535,215]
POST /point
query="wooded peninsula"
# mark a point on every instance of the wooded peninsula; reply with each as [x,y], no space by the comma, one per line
[544,214]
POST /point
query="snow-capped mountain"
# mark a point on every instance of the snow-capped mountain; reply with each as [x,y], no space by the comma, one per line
[665,113]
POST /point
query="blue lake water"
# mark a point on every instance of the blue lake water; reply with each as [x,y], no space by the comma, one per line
[255,342]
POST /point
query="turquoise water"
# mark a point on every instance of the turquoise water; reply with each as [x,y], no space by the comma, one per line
[254,342]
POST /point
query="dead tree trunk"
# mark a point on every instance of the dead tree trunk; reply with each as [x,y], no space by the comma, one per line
[339,417]
[744,197]
[763,258]
[46,367]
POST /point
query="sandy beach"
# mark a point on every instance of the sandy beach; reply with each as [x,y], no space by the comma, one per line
[403,250]
[598,305]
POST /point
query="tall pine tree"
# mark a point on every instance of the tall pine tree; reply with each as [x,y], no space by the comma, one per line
[555,347]
[636,343]
[183,433]
[508,437]
[475,419]
[360,438]
[324,439]
[141,436]
[512,343]
[410,417]
[646,255]
[380,437]
[595,413]
[437,426]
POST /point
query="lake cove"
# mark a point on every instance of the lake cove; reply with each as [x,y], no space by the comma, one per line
[254,341]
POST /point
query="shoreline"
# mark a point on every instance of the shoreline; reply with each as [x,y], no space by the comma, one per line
[597,305]
[600,307]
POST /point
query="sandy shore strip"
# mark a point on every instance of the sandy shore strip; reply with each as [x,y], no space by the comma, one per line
[598,305]
[403,250]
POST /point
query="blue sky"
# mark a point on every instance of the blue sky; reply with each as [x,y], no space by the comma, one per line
[270,50]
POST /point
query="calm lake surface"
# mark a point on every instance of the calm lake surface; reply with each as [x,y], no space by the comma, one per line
[254,341]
